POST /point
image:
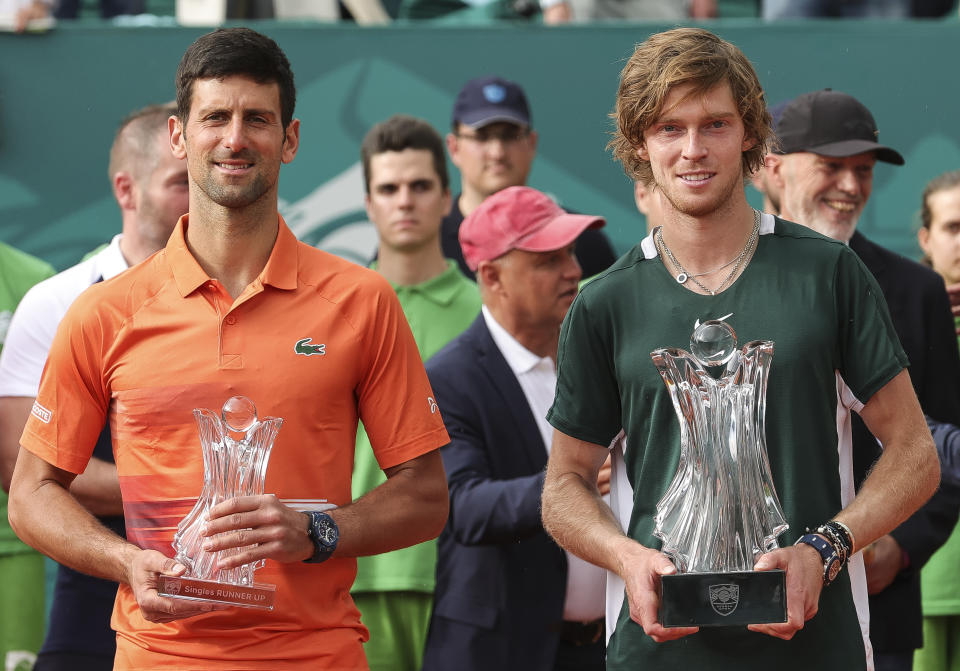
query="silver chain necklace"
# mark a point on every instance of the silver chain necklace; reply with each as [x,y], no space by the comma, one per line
[738,260]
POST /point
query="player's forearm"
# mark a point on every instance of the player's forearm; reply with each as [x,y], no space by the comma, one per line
[98,488]
[409,508]
[580,521]
[44,515]
[901,481]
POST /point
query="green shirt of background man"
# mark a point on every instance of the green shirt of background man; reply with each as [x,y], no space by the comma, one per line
[823,310]
[22,612]
[940,591]
[401,583]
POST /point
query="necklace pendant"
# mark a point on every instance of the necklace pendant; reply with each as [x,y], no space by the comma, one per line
[682,277]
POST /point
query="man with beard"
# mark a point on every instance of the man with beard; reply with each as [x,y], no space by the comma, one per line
[824,172]
[235,305]
[691,120]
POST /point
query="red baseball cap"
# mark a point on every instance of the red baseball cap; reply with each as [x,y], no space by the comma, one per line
[519,217]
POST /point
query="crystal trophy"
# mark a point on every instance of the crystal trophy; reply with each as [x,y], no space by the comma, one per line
[720,512]
[236,447]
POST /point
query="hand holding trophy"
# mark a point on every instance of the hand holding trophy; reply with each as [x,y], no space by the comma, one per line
[720,512]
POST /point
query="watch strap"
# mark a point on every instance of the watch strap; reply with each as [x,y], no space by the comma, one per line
[832,562]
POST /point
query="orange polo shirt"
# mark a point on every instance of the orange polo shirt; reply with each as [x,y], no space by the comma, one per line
[144,349]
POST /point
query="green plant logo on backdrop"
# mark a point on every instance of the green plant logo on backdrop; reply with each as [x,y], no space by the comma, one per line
[332,217]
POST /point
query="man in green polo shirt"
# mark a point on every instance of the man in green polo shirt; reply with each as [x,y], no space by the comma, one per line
[408,194]
[22,611]
[692,123]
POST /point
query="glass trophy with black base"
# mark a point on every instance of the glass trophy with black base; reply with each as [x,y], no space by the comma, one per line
[236,447]
[720,512]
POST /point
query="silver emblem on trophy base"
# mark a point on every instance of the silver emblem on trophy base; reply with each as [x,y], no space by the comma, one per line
[724,598]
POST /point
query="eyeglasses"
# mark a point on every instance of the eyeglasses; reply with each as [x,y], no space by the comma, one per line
[509,135]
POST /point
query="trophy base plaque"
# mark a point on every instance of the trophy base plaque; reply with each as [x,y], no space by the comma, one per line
[723,599]
[194,589]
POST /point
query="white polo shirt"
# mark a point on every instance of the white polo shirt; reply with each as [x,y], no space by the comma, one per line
[39,313]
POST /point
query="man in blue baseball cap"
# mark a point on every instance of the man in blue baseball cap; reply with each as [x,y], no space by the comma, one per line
[493,144]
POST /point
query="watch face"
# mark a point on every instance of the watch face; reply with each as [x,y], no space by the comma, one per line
[328,535]
[325,531]
[833,570]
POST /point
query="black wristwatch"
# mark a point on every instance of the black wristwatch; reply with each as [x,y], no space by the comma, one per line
[832,563]
[324,534]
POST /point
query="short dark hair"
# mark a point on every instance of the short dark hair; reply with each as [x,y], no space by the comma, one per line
[133,147]
[401,132]
[235,51]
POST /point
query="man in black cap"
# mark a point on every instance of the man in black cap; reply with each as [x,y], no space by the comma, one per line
[493,144]
[824,169]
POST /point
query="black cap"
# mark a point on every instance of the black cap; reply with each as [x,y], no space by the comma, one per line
[776,111]
[487,100]
[831,123]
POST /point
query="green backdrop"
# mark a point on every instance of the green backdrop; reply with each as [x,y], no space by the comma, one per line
[62,94]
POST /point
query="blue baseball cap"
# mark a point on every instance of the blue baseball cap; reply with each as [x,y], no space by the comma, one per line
[486,100]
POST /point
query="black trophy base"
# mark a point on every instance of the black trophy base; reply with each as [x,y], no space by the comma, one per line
[723,599]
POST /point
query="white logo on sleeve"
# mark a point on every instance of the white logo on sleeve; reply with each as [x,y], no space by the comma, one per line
[41,413]
[433,405]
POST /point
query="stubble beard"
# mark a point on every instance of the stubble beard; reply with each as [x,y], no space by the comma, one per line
[697,207]
[811,218]
[234,196]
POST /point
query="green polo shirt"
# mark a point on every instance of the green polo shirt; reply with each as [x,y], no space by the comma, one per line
[437,310]
[826,315]
[18,272]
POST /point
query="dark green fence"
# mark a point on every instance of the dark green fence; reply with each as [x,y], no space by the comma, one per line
[62,94]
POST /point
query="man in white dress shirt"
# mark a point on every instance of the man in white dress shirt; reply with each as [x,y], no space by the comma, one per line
[507,596]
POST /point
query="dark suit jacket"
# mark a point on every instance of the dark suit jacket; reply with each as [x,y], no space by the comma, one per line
[500,579]
[921,316]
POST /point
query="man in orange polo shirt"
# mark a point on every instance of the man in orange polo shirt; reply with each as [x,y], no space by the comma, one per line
[235,305]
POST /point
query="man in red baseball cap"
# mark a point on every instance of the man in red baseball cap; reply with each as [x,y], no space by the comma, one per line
[507,596]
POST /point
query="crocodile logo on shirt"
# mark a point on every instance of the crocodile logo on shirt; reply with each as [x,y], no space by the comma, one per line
[306,348]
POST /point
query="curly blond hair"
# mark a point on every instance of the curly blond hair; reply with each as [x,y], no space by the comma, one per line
[674,58]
